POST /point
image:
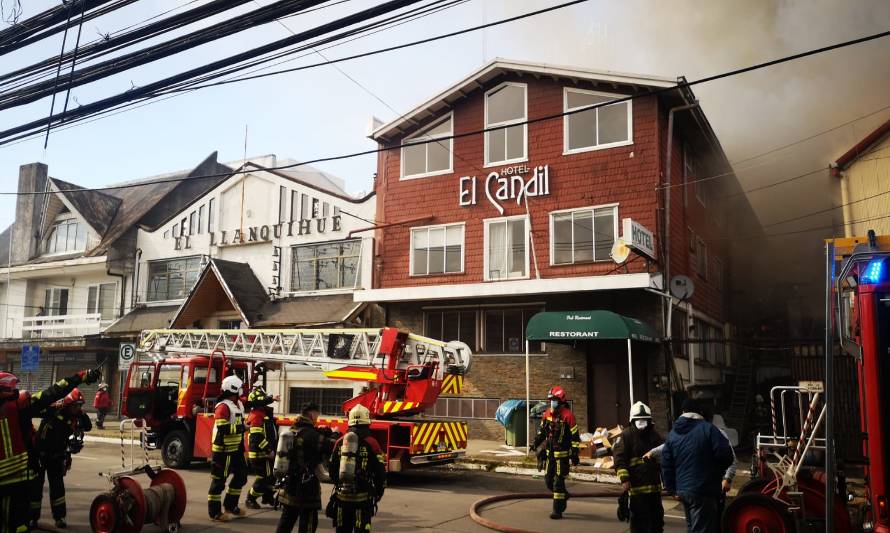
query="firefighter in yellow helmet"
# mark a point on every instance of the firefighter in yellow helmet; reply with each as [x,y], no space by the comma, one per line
[17,456]
[261,442]
[227,453]
[359,475]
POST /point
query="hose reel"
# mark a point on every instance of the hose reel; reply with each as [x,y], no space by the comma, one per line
[127,507]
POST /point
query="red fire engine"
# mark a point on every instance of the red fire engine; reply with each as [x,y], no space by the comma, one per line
[795,485]
[175,380]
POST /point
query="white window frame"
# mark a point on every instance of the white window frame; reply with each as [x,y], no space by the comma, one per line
[565,122]
[592,209]
[463,249]
[114,298]
[422,135]
[506,123]
[486,223]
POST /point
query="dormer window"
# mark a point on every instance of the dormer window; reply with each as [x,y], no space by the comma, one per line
[429,158]
[65,236]
[504,105]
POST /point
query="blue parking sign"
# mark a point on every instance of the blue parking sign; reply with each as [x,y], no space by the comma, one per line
[30,357]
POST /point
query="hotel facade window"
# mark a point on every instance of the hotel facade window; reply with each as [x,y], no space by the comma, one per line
[597,128]
[506,248]
[429,158]
[437,250]
[583,235]
[325,266]
[172,279]
[505,105]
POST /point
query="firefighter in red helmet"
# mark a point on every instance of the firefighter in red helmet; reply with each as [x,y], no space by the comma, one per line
[59,436]
[558,441]
[18,466]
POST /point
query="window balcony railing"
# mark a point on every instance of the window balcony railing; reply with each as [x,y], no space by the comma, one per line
[60,326]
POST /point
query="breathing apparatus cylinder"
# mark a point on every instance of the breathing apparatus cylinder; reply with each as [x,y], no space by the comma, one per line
[282,452]
[348,453]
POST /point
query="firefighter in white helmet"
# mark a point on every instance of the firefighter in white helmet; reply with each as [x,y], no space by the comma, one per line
[640,478]
[228,453]
[359,476]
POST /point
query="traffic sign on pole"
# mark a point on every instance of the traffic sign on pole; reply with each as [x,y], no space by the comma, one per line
[125,355]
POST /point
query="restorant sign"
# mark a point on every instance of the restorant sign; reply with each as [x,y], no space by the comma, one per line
[508,183]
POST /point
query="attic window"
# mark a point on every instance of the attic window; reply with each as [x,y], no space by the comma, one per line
[65,236]
[430,158]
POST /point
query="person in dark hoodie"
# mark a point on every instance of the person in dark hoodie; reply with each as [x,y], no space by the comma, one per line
[693,461]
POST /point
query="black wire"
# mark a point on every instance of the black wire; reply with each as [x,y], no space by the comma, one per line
[52,104]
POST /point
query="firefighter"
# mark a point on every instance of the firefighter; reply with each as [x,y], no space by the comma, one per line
[359,476]
[228,453]
[17,457]
[301,492]
[59,436]
[102,402]
[262,439]
[640,477]
[558,441]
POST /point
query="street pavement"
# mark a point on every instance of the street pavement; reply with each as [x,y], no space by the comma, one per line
[426,500]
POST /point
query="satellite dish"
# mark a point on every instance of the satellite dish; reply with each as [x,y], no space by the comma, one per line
[620,251]
[682,287]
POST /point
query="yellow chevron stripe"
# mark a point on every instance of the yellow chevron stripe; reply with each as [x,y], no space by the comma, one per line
[458,435]
[461,436]
[460,384]
[433,438]
[449,432]
[426,434]
[420,429]
[466,431]
[397,407]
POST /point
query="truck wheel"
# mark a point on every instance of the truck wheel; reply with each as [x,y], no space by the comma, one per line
[176,450]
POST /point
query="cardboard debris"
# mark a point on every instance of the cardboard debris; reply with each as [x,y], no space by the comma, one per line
[605,463]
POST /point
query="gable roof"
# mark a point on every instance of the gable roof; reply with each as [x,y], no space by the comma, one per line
[96,207]
[851,155]
[236,281]
[497,67]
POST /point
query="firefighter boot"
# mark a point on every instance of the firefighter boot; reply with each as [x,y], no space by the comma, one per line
[251,503]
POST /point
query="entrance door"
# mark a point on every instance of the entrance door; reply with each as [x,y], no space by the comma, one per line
[607,387]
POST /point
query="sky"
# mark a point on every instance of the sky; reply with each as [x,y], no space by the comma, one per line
[322,112]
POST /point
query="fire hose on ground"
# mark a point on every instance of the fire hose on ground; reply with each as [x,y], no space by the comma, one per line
[477,506]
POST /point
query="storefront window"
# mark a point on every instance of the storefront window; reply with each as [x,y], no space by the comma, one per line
[505,105]
[329,265]
[172,279]
[437,249]
[596,128]
[452,325]
[583,235]
[506,254]
[428,158]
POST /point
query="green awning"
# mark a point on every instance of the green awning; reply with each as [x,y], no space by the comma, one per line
[587,325]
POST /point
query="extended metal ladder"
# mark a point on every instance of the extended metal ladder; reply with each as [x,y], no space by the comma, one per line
[322,348]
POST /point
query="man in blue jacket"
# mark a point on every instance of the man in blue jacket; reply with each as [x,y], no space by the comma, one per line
[694,459]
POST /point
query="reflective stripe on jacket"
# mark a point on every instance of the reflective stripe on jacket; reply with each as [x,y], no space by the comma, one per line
[228,427]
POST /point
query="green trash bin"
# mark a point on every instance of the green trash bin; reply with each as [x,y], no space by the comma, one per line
[516,429]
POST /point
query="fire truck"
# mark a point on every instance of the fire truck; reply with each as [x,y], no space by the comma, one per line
[175,380]
[796,478]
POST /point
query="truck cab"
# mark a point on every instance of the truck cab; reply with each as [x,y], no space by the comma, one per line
[169,394]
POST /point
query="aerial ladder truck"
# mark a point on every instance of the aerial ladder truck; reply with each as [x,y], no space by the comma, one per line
[173,384]
[798,487]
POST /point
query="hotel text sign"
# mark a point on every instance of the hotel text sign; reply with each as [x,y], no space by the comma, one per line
[509,183]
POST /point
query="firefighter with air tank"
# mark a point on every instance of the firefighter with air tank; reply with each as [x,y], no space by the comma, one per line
[557,443]
[359,475]
[298,466]
[228,453]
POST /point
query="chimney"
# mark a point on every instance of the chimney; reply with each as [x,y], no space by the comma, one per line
[28,210]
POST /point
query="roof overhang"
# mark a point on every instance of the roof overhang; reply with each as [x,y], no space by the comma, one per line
[445,99]
[571,326]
